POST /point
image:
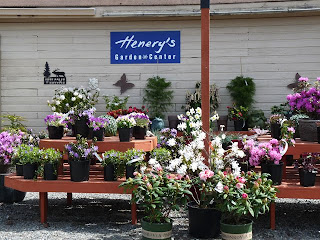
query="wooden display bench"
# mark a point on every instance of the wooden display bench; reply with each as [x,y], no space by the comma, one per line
[96,183]
[290,187]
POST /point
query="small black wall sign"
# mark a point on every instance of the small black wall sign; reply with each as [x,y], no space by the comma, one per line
[59,77]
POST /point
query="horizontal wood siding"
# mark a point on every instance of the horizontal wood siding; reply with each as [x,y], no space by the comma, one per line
[270,50]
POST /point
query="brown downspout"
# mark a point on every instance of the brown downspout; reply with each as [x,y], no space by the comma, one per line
[205,72]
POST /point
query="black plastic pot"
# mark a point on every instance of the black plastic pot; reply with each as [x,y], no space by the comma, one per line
[9,195]
[203,223]
[275,171]
[307,178]
[50,171]
[90,134]
[72,127]
[19,170]
[139,132]
[82,127]
[29,170]
[124,134]
[55,132]
[238,125]
[130,169]
[99,134]
[289,160]
[223,120]
[318,134]
[79,170]
[275,129]
[109,174]
[173,121]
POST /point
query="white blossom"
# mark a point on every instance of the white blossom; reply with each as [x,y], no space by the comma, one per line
[182,126]
[219,187]
[73,99]
[62,97]
[171,142]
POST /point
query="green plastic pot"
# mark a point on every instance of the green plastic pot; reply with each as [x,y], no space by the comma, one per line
[238,232]
[156,231]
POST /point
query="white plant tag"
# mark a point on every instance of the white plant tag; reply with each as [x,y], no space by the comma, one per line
[285,149]
[64,117]
[98,157]
[134,160]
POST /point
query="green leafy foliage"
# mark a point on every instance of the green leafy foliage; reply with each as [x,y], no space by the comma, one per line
[242,90]
[157,96]
[256,118]
[111,127]
[115,158]
[116,103]
[15,123]
[24,154]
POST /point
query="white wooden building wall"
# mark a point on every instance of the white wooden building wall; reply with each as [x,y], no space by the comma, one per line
[270,50]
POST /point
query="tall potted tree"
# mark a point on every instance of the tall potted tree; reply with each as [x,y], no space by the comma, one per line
[158,98]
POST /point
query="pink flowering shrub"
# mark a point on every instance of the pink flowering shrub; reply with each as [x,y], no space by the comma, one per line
[7,143]
[265,152]
[307,99]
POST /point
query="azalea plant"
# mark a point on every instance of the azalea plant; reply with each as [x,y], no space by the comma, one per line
[81,150]
[240,197]
[8,141]
[73,99]
[97,123]
[306,98]
[264,152]
[125,122]
[158,193]
[56,120]
[237,113]
[191,123]
[169,139]
[142,119]
[287,132]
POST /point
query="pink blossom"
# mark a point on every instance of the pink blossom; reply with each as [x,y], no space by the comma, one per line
[291,129]
[204,175]
[244,195]
[274,141]
[318,78]
[303,79]
[179,177]
[135,173]
[149,186]
[242,180]
[239,185]
[226,188]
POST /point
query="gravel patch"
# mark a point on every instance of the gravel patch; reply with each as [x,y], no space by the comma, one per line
[108,217]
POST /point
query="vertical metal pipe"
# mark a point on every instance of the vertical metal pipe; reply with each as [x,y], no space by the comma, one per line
[205,71]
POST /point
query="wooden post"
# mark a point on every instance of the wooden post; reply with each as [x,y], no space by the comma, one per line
[134,213]
[205,72]
[273,215]
[69,199]
[43,203]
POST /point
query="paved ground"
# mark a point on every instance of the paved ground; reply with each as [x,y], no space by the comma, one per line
[107,217]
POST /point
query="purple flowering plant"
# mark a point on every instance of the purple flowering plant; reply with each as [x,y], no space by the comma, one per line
[142,120]
[264,152]
[8,141]
[97,123]
[81,150]
[56,120]
[306,98]
[169,140]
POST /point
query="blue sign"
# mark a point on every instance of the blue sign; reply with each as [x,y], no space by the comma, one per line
[145,47]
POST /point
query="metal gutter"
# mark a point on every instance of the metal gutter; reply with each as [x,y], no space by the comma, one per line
[47,11]
[212,13]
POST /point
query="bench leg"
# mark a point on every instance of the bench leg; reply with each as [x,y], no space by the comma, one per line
[43,203]
[134,213]
[273,215]
[69,199]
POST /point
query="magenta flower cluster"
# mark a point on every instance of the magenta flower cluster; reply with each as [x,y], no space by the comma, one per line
[8,141]
[97,123]
[306,101]
[55,120]
[265,152]
[142,120]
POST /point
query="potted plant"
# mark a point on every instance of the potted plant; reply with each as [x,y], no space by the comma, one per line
[8,142]
[142,123]
[307,169]
[158,98]
[116,102]
[133,159]
[55,125]
[305,100]
[80,154]
[256,119]
[269,155]
[158,193]
[30,157]
[295,118]
[238,115]
[97,125]
[73,100]
[81,121]
[113,165]
[275,125]
[110,127]
[160,157]
[50,159]
[169,139]
[241,197]
[125,124]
